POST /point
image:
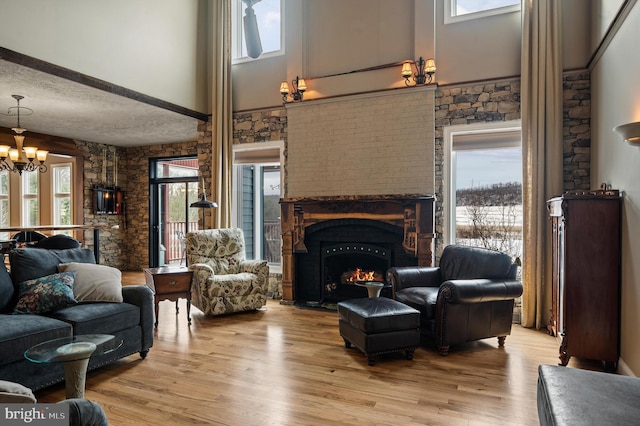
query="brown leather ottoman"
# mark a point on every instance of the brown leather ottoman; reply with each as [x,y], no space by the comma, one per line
[379,325]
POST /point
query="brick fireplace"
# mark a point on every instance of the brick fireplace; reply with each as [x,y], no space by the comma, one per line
[326,237]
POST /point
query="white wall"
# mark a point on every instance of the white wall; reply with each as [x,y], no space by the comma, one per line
[329,37]
[156,47]
[615,100]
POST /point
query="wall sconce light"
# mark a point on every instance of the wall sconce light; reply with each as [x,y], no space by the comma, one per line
[296,95]
[424,71]
[629,132]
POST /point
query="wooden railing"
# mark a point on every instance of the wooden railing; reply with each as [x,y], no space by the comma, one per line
[174,248]
[273,241]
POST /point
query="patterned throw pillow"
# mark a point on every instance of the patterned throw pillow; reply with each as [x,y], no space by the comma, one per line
[45,294]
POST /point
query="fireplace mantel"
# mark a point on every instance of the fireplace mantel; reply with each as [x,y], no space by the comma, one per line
[413,213]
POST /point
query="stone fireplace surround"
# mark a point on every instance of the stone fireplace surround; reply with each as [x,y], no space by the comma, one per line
[403,224]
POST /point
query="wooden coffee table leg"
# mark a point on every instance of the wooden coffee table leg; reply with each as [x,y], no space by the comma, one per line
[189,310]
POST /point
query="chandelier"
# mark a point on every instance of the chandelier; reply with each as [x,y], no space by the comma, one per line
[21,159]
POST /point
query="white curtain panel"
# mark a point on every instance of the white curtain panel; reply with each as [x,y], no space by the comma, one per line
[541,108]
[222,115]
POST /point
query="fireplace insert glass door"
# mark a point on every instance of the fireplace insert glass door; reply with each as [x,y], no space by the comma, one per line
[347,264]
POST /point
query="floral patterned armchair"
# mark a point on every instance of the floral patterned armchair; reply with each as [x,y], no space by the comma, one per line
[223,280]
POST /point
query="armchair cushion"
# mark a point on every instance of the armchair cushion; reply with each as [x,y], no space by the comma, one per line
[221,249]
[462,263]
[421,298]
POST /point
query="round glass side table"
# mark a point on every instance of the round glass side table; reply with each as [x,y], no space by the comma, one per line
[74,352]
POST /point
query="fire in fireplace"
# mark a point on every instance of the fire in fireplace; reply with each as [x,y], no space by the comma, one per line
[344,265]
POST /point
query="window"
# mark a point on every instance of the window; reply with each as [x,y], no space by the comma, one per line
[269,18]
[5,213]
[462,10]
[62,194]
[30,216]
[257,182]
[484,190]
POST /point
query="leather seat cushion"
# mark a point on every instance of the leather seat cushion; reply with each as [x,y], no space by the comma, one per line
[378,315]
[422,298]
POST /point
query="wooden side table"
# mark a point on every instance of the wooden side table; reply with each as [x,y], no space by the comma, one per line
[170,283]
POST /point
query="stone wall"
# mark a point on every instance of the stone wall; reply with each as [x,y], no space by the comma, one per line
[112,228]
[577,130]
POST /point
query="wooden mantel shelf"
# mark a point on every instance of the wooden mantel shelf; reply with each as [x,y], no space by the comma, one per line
[364,198]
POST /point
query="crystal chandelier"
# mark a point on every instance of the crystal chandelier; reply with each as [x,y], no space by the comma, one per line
[21,159]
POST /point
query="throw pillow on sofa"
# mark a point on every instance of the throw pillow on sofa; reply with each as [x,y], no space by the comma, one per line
[30,263]
[95,283]
[45,294]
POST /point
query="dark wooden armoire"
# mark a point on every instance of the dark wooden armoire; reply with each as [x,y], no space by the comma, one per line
[585,313]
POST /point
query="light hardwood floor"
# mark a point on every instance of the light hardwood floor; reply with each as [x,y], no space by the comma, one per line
[284,365]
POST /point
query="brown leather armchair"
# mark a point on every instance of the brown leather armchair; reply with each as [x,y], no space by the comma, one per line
[470,296]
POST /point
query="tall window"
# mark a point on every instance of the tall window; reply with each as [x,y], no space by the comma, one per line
[462,10]
[62,194]
[257,183]
[484,191]
[269,18]
[5,213]
[30,216]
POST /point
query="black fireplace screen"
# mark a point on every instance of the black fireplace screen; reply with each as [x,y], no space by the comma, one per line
[345,264]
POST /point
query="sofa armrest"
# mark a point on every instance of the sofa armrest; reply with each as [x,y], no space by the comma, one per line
[142,297]
[413,276]
[479,290]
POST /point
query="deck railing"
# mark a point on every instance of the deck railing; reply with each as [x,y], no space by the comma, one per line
[273,241]
[174,248]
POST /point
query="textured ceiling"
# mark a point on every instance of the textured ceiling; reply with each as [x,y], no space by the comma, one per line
[68,109]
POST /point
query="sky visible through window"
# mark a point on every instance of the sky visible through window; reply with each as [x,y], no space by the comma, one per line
[464,7]
[486,167]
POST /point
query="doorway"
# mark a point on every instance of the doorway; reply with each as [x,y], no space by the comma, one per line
[173,187]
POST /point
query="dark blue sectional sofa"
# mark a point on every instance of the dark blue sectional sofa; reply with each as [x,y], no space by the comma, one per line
[132,320]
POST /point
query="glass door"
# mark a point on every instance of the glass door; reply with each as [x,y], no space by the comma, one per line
[174,186]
